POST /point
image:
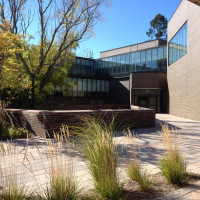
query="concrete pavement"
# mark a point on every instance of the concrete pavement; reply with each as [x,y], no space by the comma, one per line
[31,165]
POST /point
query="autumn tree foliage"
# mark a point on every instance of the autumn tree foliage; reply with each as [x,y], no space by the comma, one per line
[53,30]
[10,45]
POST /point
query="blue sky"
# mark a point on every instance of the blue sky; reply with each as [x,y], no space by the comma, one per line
[125,24]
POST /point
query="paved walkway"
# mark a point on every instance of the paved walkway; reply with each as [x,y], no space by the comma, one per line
[189,131]
[32,165]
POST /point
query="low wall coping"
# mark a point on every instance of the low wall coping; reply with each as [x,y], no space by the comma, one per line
[133,108]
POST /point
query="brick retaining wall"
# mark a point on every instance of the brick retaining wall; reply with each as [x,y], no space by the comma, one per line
[40,121]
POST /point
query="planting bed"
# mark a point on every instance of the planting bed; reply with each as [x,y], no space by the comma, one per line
[41,121]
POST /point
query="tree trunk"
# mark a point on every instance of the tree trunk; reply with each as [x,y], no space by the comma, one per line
[33,94]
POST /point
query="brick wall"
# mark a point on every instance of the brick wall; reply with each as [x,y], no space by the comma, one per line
[41,121]
[150,80]
[184,75]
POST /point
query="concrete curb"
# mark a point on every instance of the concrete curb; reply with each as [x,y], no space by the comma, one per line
[179,194]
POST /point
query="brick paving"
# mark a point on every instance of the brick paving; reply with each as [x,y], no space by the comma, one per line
[31,164]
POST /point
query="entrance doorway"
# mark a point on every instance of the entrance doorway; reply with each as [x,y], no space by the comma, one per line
[148,98]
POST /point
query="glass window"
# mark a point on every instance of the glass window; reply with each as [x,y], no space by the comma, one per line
[127,58]
[160,57]
[178,45]
[114,64]
[107,86]
[154,63]
[89,87]
[160,53]
[123,61]
[137,61]
[87,62]
[94,86]
[102,86]
[75,87]
[132,62]
[80,89]
[127,62]
[110,64]
[78,61]
[85,87]
[148,59]
[165,52]
[143,60]
[118,64]
[98,85]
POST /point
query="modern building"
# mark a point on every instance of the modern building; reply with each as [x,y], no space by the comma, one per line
[158,74]
[183,71]
[109,76]
[147,64]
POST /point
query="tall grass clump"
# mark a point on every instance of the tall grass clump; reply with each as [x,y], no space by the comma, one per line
[134,168]
[14,192]
[173,164]
[62,182]
[96,137]
[12,189]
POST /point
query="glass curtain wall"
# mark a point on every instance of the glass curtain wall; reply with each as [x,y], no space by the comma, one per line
[154,59]
[83,67]
[178,45]
[88,88]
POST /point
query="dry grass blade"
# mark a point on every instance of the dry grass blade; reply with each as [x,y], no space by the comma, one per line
[96,141]
[173,164]
[134,169]
[63,184]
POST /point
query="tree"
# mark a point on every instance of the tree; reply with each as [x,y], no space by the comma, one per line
[158,27]
[10,44]
[60,25]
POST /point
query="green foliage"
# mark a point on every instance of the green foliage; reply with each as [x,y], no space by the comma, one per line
[158,27]
[7,131]
[44,62]
[96,137]
[136,174]
[17,132]
[173,165]
[14,192]
[62,187]
[173,168]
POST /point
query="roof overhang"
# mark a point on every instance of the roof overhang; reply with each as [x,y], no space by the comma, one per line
[197,2]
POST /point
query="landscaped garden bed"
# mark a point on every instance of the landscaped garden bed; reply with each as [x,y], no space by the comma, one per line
[94,143]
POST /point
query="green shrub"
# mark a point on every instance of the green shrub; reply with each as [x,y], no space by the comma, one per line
[17,132]
[134,170]
[173,168]
[173,165]
[4,129]
[96,137]
[62,187]
[7,131]
[136,174]
[14,192]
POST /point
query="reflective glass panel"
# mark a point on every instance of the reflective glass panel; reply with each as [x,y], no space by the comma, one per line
[178,45]
[98,85]
[102,86]
[148,59]
[137,61]
[94,86]
[143,59]
[154,63]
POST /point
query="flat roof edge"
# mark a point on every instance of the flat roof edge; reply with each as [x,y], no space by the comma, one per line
[134,45]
